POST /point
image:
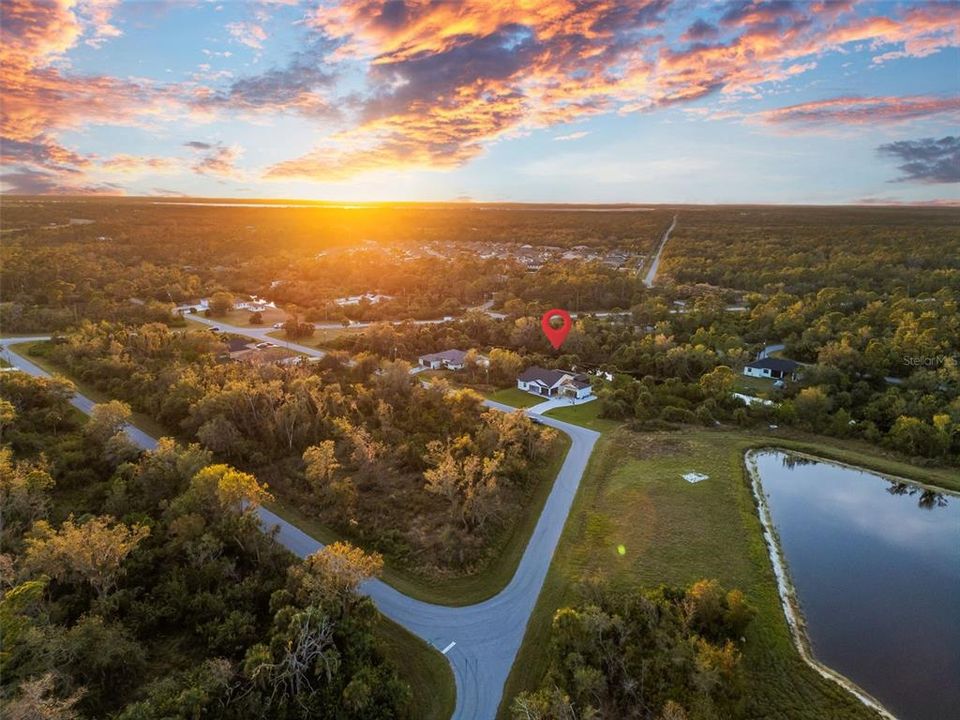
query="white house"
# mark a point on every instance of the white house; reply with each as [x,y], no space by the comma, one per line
[554,383]
[770,367]
[254,304]
[372,298]
[196,307]
[449,359]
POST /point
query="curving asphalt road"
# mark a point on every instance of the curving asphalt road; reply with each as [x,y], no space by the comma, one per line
[480,641]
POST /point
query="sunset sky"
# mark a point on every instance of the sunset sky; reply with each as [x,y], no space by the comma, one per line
[550,100]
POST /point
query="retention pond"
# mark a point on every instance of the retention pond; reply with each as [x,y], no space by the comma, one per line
[874,565]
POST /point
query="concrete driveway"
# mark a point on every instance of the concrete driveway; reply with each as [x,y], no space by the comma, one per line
[480,641]
[558,403]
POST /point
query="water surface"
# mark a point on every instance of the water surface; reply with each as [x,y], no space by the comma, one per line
[876,568]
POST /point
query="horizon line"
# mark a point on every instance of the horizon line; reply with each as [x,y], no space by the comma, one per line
[217,199]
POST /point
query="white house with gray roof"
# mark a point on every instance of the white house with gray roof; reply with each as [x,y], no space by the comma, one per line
[448,359]
[554,383]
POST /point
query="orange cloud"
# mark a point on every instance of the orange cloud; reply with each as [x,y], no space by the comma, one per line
[216,159]
[248,33]
[862,110]
[39,99]
[447,79]
[125,164]
[444,80]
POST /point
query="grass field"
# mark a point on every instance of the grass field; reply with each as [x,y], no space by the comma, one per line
[241,318]
[322,337]
[516,398]
[632,494]
[586,415]
[753,385]
[424,669]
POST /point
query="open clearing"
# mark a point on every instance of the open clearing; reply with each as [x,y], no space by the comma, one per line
[633,494]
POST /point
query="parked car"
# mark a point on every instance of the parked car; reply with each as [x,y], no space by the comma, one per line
[214,329]
[262,345]
[278,326]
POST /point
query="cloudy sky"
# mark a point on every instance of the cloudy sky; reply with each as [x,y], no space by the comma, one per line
[530,100]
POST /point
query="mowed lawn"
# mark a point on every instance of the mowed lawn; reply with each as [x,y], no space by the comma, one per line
[241,318]
[673,532]
[424,669]
[516,398]
[322,337]
[587,415]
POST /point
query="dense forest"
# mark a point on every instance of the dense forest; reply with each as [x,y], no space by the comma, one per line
[669,654]
[140,585]
[337,437]
[865,297]
[137,584]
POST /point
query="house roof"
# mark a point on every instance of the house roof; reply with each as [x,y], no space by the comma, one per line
[238,344]
[550,378]
[777,364]
[452,356]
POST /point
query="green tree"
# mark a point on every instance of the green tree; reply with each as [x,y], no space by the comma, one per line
[92,552]
[221,303]
[106,420]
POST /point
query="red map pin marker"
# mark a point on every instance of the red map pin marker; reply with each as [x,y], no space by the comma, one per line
[556,336]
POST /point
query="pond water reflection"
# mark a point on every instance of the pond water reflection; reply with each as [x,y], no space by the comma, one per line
[876,568]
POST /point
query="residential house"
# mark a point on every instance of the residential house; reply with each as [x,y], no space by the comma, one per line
[448,359]
[194,307]
[771,367]
[372,298]
[554,383]
[236,346]
[254,304]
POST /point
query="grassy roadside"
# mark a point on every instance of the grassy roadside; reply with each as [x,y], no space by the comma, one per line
[468,589]
[321,338]
[673,532]
[586,415]
[424,669]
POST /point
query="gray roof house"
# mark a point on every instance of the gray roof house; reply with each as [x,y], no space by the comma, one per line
[449,359]
[771,367]
[554,383]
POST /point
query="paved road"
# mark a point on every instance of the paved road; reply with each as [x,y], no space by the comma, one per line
[655,265]
[84,404]
[481,641]
[770,350]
